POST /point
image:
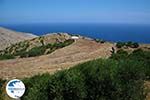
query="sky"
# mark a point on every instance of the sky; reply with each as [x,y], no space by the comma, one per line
[74,11]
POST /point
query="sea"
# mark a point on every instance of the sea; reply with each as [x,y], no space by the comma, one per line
[110,32]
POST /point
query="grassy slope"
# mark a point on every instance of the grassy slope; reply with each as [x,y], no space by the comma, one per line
[80,51]
[36,47]
[101,79]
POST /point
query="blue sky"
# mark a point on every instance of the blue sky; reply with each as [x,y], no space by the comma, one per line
[79,11]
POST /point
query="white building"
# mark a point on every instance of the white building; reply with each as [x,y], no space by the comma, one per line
[75,37]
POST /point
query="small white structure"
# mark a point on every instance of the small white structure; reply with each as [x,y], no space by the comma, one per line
[75,37]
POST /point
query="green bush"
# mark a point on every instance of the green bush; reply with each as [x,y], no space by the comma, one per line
[132,44]
[68,42]
[120,44]
[99,79]
[100,40]
[94,80]
[137,55]
[6,56]
[127,44]
[120,54]
[129,80]
[1,91]
[142,56]
[22,54]
[36,87]
[67,85]
[36,51]
[135,45]
[106,80]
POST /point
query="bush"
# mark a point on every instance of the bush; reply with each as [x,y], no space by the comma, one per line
[67,85]
[94,80]
[120,44]
[142,56]
[36,51]
[100,40]
[1,90]
[120,54]
[132,44]
[130,76]
[135,45]
[36,87]
[22,54]
[68,42]
[99,79]
[127,44]
[6,56]
[137,55]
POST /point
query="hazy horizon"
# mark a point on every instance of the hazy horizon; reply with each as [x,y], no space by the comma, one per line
[77,11]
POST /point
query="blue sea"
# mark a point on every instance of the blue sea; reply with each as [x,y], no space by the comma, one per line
[109,32]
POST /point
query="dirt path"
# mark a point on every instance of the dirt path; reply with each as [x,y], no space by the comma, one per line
[80,51]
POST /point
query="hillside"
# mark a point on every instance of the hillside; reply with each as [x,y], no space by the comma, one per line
[53,52]
[37,46]
[81,50]
[126,78]
[100,69]
[9,37]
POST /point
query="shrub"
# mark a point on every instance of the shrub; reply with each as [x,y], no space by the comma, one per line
[22,54]
[130,76]
[127,44]
[68,42]
[137,55]
[36,87]
[142,56]
[36,51]
[132,44]
[99,78]
[100,40]
[6,56]
[42,42]
[67,85]
[49,46]
[120,54]
[135,45]
[1,90]
[120,44]
[93,80]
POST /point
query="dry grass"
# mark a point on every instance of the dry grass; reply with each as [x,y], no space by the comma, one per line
[80,51]
[9,37]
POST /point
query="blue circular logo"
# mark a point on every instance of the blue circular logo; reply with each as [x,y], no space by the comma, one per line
[15,88]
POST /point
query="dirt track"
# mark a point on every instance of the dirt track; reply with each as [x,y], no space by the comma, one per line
[80,51]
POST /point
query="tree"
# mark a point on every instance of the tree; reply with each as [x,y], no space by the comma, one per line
[120,44]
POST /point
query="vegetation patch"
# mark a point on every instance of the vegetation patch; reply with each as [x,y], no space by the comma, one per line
[99,40]
[127,44]
[6,56]
[121,77]
[20,49]
[1,89]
